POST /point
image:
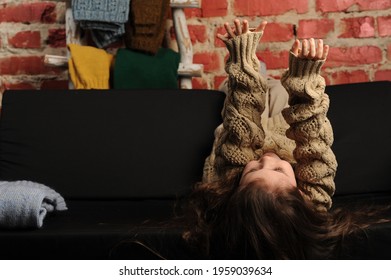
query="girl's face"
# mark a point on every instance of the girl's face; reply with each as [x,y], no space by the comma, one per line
[268,172]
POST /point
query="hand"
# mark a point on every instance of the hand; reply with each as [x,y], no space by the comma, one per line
[239,29]
[308,49]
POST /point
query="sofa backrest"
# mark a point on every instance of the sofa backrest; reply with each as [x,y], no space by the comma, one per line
[361,117]
[144,144]
[108,144]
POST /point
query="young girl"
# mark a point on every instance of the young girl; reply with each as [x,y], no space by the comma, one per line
[268,182]
[249,138]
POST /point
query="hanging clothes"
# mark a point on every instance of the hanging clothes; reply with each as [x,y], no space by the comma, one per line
[146,25]
[104,18]
[137,70]
[89,67]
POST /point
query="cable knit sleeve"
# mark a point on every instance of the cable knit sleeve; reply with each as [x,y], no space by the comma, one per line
[310,129]
[241,134]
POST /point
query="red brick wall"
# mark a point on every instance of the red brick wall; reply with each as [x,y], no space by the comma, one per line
[28,31]
[359,32]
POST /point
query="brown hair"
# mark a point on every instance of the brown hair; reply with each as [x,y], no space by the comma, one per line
[225,222]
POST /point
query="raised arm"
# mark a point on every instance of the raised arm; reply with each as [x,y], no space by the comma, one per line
[241,135]
[309,125]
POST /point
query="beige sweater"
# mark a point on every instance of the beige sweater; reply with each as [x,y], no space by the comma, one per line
[302,134]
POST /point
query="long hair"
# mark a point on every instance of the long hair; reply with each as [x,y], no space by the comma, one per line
[225,222]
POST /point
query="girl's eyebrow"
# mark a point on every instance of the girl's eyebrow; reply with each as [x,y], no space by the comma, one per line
[251,170]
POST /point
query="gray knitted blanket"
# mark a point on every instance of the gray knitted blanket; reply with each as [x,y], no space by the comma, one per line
[24,204]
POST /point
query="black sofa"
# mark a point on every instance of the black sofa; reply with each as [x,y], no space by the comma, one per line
[122,160]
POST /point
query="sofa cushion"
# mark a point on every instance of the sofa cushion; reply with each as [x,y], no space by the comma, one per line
[90,230]
[360,114]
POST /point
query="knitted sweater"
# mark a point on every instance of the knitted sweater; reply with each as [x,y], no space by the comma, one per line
[302,134]
[310,129]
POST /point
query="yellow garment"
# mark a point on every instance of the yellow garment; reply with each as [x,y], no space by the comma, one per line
[89,67]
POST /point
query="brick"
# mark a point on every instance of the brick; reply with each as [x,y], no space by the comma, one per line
[315,28]
[275,76]
[218,80]
[193,12]
[383,75]
[389,52]
[199,83]
[268,8]
[215,8]
[361,27]
[26,40]
[326,78]
[19,86]
[278,32]
[56,38]
[48,14]
[27,65]
[374,4]
[197,33]
[172,33]
[353,56]
[210,60]
[346,77]
[384,26]
[274,60]
[55,84]
[31,12]
[347,5]
[333,5]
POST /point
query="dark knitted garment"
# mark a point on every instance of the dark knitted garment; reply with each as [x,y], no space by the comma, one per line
[146,25]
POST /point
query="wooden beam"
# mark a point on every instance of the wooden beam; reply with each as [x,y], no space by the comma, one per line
[185,3]
[56,60]
[185,48]
[190,70]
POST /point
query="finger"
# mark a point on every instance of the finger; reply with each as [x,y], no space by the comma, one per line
[319,52]
[261,27]
[325,51]
[238,27]
[222,37]
[229,29]
[245,26]
[312,50]
[296,47]
[304,49]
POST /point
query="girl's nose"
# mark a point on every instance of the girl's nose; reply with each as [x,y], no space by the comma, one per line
[270,154]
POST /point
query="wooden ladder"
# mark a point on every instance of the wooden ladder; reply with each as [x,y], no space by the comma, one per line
[186,70]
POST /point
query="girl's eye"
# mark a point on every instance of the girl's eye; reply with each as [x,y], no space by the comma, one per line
[279,170]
